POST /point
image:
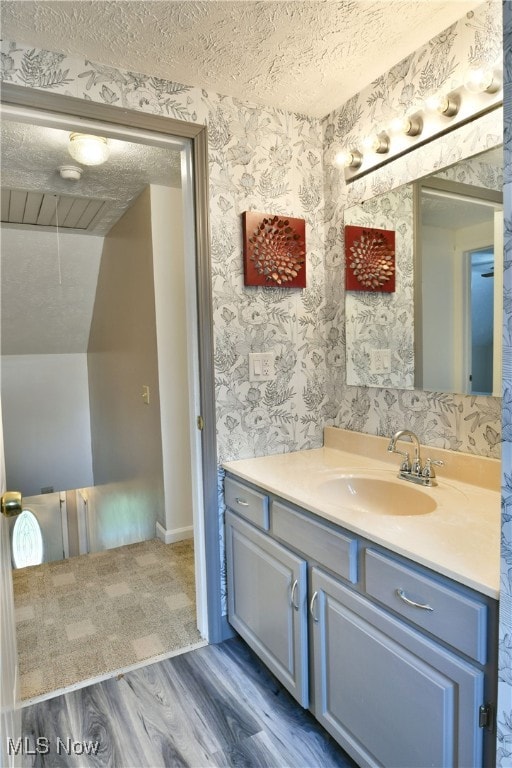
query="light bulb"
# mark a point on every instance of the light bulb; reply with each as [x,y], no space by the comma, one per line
[87,149]
[410,125]
[347,158]
[379,142]
[445,104]
[480,80]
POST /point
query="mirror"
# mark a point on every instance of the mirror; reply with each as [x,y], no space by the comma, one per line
[440,329]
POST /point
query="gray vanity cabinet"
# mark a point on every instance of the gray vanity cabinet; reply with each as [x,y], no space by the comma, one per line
[389,695]
[402,660]
[267,588]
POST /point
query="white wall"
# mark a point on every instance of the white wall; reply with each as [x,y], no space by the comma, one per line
[438,316]
[47,434]
[170,309]
[445,314]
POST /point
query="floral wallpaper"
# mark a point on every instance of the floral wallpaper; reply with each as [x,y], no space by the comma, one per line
[271,161]
[374,320]
[265,160]
[504,714]
[277,162]
[457,422]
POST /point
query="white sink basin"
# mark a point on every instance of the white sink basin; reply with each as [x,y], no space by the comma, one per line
[380,495]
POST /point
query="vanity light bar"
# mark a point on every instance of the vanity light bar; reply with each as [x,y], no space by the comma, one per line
[440,114]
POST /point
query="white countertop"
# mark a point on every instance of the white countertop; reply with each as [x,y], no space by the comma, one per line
[460,538]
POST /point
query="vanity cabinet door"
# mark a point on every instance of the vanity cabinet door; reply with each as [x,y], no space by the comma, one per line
[267,602]
[388,695]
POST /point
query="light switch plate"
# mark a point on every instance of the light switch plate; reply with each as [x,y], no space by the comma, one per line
[380,361]
[261,366]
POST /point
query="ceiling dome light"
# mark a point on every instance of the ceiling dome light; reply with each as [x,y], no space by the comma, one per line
[480,80]
[87,149]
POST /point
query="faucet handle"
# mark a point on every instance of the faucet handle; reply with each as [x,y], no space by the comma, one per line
[428,470]
[405,465]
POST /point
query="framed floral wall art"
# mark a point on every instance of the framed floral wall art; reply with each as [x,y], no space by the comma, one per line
[369,259]
[274,250]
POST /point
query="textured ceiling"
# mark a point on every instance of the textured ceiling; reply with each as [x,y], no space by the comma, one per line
[31,156]
[303,56]
[48,289]
[451,213]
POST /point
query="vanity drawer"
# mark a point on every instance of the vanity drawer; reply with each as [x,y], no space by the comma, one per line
[317,541]
[249,503]
[456,618]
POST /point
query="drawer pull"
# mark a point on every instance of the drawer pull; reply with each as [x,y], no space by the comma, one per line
[401,594]
[242,502]
[312,606]
[294,587]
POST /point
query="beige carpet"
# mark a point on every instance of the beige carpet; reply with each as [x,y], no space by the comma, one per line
[91,615]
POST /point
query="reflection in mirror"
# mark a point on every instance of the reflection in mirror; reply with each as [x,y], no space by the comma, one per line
[393,339]
[459,266]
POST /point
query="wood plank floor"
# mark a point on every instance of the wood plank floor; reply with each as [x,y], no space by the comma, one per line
[214,706]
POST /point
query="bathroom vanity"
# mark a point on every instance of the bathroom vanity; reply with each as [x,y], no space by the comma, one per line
[376,607]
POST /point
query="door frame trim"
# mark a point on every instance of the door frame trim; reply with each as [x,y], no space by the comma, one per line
[76,108]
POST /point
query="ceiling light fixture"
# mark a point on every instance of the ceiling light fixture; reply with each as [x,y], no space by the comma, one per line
[441,112]
[87,149]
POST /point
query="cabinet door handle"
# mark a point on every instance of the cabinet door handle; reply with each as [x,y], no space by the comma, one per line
[312,606]
[242,502]
[294,587]
[401,594]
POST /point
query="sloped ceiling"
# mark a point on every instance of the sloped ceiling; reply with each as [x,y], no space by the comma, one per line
[305,56]
[48,290]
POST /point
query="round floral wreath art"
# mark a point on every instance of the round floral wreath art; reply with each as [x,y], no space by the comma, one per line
[372,259]
[278,251]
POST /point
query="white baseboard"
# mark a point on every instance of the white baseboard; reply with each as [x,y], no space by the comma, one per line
[177,534]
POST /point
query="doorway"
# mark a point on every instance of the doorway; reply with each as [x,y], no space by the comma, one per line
[479,320]
[190,141]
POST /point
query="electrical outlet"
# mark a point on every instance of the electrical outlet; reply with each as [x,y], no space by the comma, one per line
[261,366]
[380,361]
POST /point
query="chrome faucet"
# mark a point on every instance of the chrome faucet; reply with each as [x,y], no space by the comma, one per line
[414,471]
